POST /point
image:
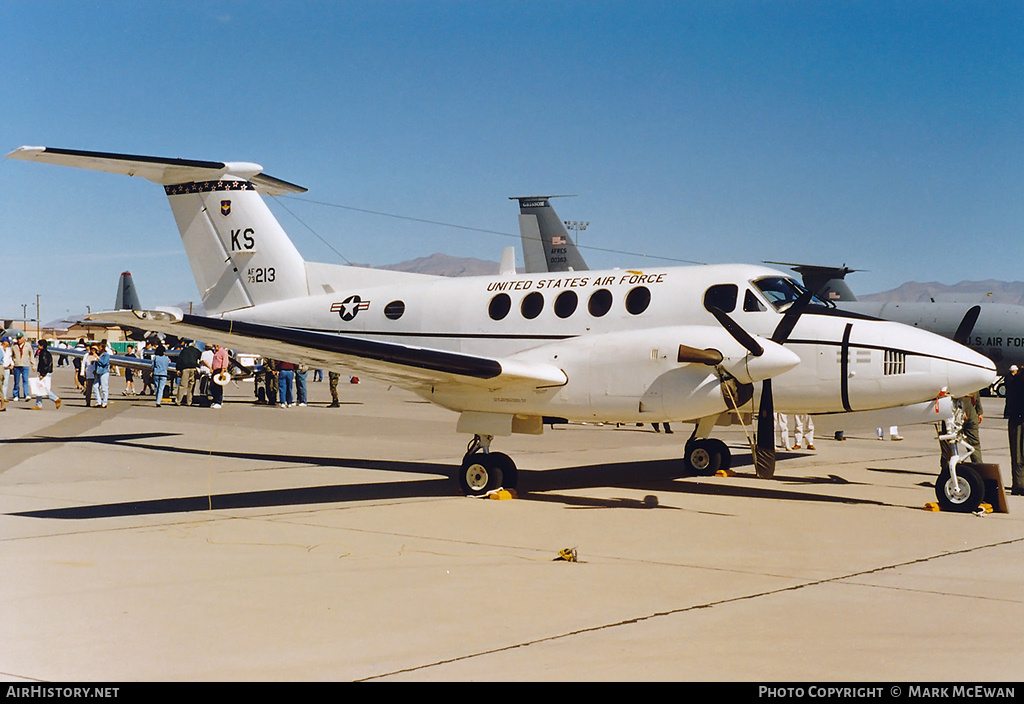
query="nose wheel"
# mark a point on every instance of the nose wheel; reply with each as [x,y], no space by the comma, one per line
[962,493]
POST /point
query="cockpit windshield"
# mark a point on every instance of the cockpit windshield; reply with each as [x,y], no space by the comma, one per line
[782,292]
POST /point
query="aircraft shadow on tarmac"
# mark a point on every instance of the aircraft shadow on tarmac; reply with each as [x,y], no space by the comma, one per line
[537,485]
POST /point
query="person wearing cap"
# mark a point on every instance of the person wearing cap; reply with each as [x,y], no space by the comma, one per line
[1015,427]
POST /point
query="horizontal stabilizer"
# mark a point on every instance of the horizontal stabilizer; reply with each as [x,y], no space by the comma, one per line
[828,283]
[165,171]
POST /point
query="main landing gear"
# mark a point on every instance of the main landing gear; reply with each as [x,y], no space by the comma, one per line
[483,471]
[705,456]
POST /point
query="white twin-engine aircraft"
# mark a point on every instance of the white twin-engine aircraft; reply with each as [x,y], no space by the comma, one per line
[512,352]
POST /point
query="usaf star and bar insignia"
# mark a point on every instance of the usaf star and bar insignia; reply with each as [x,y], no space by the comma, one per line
[350,307]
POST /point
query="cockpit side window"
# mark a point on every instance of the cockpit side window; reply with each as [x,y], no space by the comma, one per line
[722,296]
[781,292]
[751,304]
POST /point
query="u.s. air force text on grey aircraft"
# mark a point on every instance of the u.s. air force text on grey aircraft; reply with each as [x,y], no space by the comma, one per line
[671,344]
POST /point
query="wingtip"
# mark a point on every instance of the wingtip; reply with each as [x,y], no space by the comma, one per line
[25,152]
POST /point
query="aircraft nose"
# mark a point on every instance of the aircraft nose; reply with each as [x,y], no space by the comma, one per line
[966,370]
[775,360]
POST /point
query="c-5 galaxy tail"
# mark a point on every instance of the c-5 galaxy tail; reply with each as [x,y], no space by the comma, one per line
[546,244]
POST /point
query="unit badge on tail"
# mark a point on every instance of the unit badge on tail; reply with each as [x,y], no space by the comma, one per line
[225,208]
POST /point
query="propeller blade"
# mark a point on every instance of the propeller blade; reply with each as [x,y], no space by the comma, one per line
[793,313]
[709,356]
[764,448]
[739,334]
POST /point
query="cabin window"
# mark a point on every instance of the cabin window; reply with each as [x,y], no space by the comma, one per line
[565,304]
[394,310]
[499,307]
[532,305]
[638,299]
[722,296]
[600,302]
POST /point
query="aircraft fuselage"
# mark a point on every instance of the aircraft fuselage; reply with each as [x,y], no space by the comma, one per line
[615,334]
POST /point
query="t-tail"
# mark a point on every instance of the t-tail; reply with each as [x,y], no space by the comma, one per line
[546,243]
[828,283]
[239,254]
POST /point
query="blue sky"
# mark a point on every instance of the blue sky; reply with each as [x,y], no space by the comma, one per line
[883,135]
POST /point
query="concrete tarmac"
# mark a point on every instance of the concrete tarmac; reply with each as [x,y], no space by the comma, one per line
[260,543]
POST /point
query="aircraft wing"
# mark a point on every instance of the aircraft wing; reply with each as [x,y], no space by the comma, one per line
[403,365]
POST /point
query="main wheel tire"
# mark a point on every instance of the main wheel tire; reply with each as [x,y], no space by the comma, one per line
[965,495]
[722,450]
[702,458]
[509,471]
[479,474]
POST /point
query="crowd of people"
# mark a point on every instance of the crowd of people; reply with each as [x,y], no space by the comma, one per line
[181,375]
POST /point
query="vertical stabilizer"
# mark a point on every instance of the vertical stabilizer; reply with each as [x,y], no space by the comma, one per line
[240,255]
[546,243]
[127,298]
[507,267]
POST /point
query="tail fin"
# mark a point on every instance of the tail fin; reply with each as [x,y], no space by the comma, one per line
[826,282]
[546,244]
[240,255]
[127,298]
